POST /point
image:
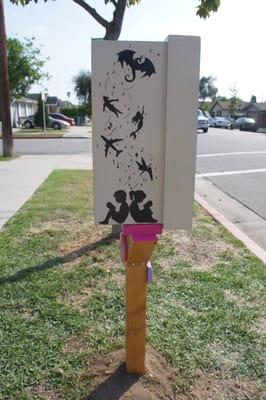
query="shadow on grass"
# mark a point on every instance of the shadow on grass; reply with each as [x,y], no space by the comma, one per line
[114,386]
[54,262]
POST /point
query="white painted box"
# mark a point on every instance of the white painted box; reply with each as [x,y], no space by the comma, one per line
[144,120]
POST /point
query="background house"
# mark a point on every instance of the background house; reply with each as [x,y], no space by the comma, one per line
[53,104]
[258,112]
[28,105]
[221,108]
[22,108]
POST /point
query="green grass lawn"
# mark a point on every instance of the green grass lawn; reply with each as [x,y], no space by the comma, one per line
[39,132]
[33,130]
[62,299]
[2,158]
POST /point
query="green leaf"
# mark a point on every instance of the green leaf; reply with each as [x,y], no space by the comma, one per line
[205,7]
[25,65]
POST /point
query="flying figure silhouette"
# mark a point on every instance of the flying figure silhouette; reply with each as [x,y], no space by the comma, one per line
[137,120]
[107,103]
[109,143]
[143,167]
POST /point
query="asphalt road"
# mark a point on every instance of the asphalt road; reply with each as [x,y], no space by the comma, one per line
[235,162]
[51,146]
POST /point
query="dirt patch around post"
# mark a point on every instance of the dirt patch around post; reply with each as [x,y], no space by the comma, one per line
[110,380]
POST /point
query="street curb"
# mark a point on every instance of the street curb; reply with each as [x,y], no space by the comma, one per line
[36,137]
[76,137]
[249,243]
[50,137]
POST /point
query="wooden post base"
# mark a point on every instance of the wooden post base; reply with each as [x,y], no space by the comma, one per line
[136,292]
[137,244]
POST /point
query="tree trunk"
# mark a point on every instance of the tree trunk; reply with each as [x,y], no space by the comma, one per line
[4,92]
[113,29]
[112,33]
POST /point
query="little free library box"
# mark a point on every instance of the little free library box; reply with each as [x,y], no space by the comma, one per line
[144,108]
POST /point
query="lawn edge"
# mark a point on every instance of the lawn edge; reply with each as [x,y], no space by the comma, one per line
[232,228]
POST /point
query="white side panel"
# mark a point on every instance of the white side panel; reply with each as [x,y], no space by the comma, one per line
[183,55]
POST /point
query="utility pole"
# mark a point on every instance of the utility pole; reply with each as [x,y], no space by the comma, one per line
[44,96]
[5,114]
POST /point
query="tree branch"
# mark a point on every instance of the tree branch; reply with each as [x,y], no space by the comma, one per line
[114,2]
[93,13]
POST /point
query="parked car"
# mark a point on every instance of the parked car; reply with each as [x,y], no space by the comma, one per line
[57,123]
[246,124]
[63,117]
[221,122]
[203,122]
[28,123]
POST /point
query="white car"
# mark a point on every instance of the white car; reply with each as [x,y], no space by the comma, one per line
[203,122]
[221,122]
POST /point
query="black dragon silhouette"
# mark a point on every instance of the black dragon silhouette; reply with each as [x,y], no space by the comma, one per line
[136,64]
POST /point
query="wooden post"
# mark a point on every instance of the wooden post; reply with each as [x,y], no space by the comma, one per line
[136,289]
[139,242]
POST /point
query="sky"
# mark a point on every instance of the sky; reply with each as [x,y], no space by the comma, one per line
[232,40]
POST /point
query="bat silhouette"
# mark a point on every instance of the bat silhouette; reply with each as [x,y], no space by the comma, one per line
[136,64]
[143,167]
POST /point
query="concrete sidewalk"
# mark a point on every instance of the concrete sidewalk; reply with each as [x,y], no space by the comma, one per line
[79,132]
[20,178]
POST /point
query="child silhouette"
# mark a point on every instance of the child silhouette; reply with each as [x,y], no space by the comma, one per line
[144,214]
[118,216]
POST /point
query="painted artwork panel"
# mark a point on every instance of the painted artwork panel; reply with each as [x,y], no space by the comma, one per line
[128,104]
[144,114]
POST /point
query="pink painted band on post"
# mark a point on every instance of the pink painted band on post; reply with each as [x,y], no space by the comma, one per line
[143,232]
